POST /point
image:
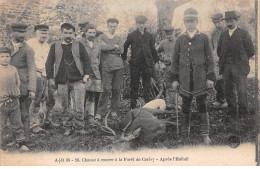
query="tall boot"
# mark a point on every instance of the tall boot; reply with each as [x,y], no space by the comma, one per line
[185,125]
[204,128]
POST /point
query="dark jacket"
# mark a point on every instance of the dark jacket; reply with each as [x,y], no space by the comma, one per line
[142,47]
[23,60]
[242,48]
[195,53]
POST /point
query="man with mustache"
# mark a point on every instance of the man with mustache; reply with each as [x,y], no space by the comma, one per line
[112,69]
[68,66]
[235,48]
[22,57]
[41,50]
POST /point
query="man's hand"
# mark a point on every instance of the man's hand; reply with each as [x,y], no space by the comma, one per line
[126,63]
[116,46]
[210,84]
[31,95]
[156,66]
[51,83]
[85,78]
[175,85]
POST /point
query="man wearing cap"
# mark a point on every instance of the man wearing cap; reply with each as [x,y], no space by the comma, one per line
[235,48]
[41,50]
[166,48]
[219,87]
[112,68]
[192,70]
[68,66]
[143,59]
[22,57]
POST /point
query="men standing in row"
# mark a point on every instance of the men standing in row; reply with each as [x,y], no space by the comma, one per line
[112,68]
[41,50]
[143,59]
[68,65]
[235,48]
[219,87]
[22,58]
[192,69]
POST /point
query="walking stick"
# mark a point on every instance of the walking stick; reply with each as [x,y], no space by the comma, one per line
[177,112]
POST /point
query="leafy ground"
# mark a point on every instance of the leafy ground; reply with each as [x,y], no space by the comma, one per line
[221,130]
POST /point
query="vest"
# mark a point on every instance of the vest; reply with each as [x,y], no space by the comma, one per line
[75,53]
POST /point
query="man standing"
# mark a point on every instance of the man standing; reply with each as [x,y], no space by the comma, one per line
[112,68]
[192,69]
[69,64]
[219,87]
[235,48]
[41,50]
[93,85]
[22,58]
[166,48]
[143,59]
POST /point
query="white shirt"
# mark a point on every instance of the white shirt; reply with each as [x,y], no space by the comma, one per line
[16,46]
[41,51]
[191,34]
[231,31]
[90,43]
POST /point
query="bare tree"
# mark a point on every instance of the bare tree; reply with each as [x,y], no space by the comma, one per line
[165,9]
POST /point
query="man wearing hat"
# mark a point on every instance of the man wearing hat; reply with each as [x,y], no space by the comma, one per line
[219,87]
[41,50]
[22,57]
[112,69]
[143,59]
[192,70]
[235,48]
[68,66]
[166,48]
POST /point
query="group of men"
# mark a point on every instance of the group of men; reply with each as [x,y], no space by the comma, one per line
[84,71]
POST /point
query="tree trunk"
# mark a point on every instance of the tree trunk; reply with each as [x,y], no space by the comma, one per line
[165,9]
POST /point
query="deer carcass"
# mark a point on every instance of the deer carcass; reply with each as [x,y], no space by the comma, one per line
[140,127]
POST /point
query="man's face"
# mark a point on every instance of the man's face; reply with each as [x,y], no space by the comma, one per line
[191,25]
[169,37]
[112,27]
[5,59]
[140,26]
[231,23]
[42,36]
[18,36]
[67,35]
[218,24]
[90,34]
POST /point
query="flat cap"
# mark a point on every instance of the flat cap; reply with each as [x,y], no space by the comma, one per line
[83,22]
[140,19]
[67,26]
[88,26]
[190,14]
[5,50]
[216,17]
[20,27]
[113,20]
[168,29]
[42,27]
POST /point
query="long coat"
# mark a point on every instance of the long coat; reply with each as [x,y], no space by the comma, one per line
[142,47]
[242,49]
[23,60]
[193,52]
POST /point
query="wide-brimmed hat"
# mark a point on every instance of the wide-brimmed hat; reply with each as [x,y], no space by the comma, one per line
[231,15]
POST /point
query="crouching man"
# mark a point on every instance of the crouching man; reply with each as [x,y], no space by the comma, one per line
[192,70]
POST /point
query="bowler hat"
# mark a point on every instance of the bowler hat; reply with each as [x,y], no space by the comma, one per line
[190,14]
[140,19]
[42,27]
[231,15]
[216,17]
[20,27]
[5,50]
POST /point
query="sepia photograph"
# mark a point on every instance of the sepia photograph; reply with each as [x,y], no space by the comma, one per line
[129,83]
